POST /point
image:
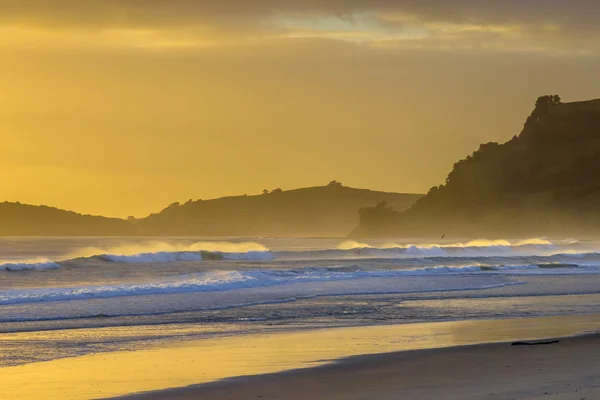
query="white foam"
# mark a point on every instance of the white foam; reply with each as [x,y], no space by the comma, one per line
[153,251]
[456,253]
[26,265]
[249,256]
[157,251]
[152,257]
[231,280]
[473,248]
[351,244]
[164,257]
[214,280]
[154,247]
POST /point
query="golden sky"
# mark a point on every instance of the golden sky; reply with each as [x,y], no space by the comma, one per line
[119,107]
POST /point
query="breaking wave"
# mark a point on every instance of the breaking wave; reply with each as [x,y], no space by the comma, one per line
[218,281]
[28,265]
[212,281]
[481,244]
[474,248]
[153,251]
[158,247]
[156,251]
[165,252]
[163,257]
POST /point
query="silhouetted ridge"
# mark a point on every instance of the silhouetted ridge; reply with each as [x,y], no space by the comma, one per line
[545,180]
[18,219]
[318,211]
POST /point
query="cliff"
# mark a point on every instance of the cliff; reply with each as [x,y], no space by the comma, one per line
[544,181]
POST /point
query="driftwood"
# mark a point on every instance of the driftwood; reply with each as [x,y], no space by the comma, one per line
[534,343]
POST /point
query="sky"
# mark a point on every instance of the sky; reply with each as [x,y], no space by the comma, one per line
[120,107]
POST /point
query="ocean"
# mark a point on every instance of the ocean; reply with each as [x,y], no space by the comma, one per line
[65,297]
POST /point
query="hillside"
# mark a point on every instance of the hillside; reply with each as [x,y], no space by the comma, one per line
[18,219]
[318,211]
[544,181]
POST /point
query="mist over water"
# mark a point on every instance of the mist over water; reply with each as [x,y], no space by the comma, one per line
[132,251]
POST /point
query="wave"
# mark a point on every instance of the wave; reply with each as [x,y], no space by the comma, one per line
[161,247]
[158,251]
[212,281]
[28,265]
[209,281]
[410,254]
[454,253]
[151,251]
[164,257]
[474,248]
[478,243]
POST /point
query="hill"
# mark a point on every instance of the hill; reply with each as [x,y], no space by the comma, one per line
[18,219]
[545,181]
[317,211]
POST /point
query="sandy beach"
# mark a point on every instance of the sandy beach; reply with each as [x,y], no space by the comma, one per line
[445,360]
[568,370]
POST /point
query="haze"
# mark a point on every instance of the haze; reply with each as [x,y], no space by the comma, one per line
[121,107]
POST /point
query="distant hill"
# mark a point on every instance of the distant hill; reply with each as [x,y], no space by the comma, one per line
[317,211]
[545,181]
[18,219]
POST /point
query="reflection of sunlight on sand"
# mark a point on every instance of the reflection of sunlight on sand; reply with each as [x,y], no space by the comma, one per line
[187,363]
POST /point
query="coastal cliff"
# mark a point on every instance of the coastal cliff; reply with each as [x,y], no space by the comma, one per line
[544,181]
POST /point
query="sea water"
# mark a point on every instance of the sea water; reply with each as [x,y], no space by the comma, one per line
[63,297]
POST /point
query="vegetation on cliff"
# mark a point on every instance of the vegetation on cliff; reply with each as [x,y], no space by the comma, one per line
[544,181]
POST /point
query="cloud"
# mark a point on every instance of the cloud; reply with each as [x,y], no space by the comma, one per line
[516,25]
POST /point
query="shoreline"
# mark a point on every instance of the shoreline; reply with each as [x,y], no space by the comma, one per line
[489,370]
[189,364]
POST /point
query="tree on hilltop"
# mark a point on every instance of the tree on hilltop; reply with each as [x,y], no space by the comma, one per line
[544,103]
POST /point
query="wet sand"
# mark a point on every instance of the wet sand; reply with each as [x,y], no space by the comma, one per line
[568,370]
[411,361]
